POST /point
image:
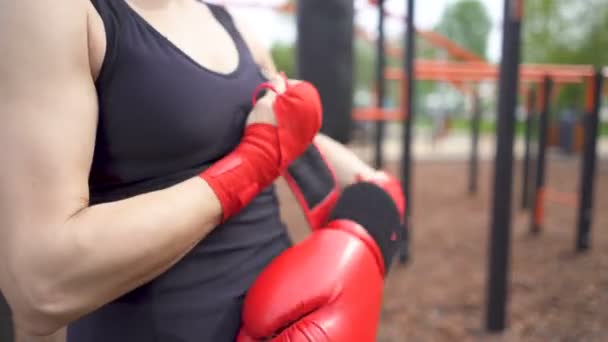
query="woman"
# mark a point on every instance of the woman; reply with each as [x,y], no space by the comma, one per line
[113,112]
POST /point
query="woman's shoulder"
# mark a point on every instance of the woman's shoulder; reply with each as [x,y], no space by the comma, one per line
[97,39]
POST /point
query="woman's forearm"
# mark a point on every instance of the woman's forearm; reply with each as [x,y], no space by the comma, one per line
[345,162]
[109,249]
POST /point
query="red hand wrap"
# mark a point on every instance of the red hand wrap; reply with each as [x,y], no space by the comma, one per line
[266,150]
[240,176]
[299,115]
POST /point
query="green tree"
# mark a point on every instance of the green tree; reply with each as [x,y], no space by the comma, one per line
[468,23]
[365,65]
[284,58]
[566,32]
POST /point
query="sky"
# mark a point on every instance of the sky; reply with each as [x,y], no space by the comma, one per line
[271,27]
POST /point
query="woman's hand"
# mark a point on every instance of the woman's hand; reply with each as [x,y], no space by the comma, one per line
[263,111]
[281,126]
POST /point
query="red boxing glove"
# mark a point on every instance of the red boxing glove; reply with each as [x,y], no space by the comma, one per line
[266,150]
[329,287]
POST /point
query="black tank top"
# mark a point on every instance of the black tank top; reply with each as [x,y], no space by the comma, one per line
[164,118]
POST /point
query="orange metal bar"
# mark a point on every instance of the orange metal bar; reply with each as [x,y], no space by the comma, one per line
[434,39]
[377,114]
[550,69]
[398,53]
[539,208]
[583,68]
[470,76]
[442,42]
[456,71]
[448,45]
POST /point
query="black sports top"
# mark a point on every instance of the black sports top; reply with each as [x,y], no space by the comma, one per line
[163,118]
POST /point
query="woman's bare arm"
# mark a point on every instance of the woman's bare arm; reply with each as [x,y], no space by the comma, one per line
[60,258]
[347,165]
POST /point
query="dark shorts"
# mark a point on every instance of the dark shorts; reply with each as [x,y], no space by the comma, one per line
[202,305]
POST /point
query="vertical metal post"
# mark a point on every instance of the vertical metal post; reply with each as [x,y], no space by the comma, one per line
[585,206]
[380,86]
[324,57]
[408,120]
[474,160]
[539,194]
[500,234]
[525,191]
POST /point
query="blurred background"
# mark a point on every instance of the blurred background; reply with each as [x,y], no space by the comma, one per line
[554,32]
[555,292]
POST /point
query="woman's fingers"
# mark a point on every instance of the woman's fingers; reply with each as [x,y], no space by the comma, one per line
[263,110]
[279,81]
[293,82]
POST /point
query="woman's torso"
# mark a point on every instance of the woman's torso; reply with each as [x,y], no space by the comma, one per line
[173,99]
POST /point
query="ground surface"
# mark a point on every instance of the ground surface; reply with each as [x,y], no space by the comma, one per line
[556,295]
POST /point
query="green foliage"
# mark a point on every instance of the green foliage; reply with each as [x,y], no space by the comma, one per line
[365,67]
[468,23]
[566,32]
[284,58]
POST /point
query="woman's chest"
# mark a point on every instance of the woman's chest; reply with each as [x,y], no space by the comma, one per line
[160,110]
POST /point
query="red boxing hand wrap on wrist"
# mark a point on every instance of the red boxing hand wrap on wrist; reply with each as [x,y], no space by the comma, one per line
[266,150]
[240,176]
[299,115]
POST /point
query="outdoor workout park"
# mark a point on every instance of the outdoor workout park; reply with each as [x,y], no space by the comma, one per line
[501,242]
[507,212]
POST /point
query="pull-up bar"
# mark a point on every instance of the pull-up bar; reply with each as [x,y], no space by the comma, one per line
[431,70]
